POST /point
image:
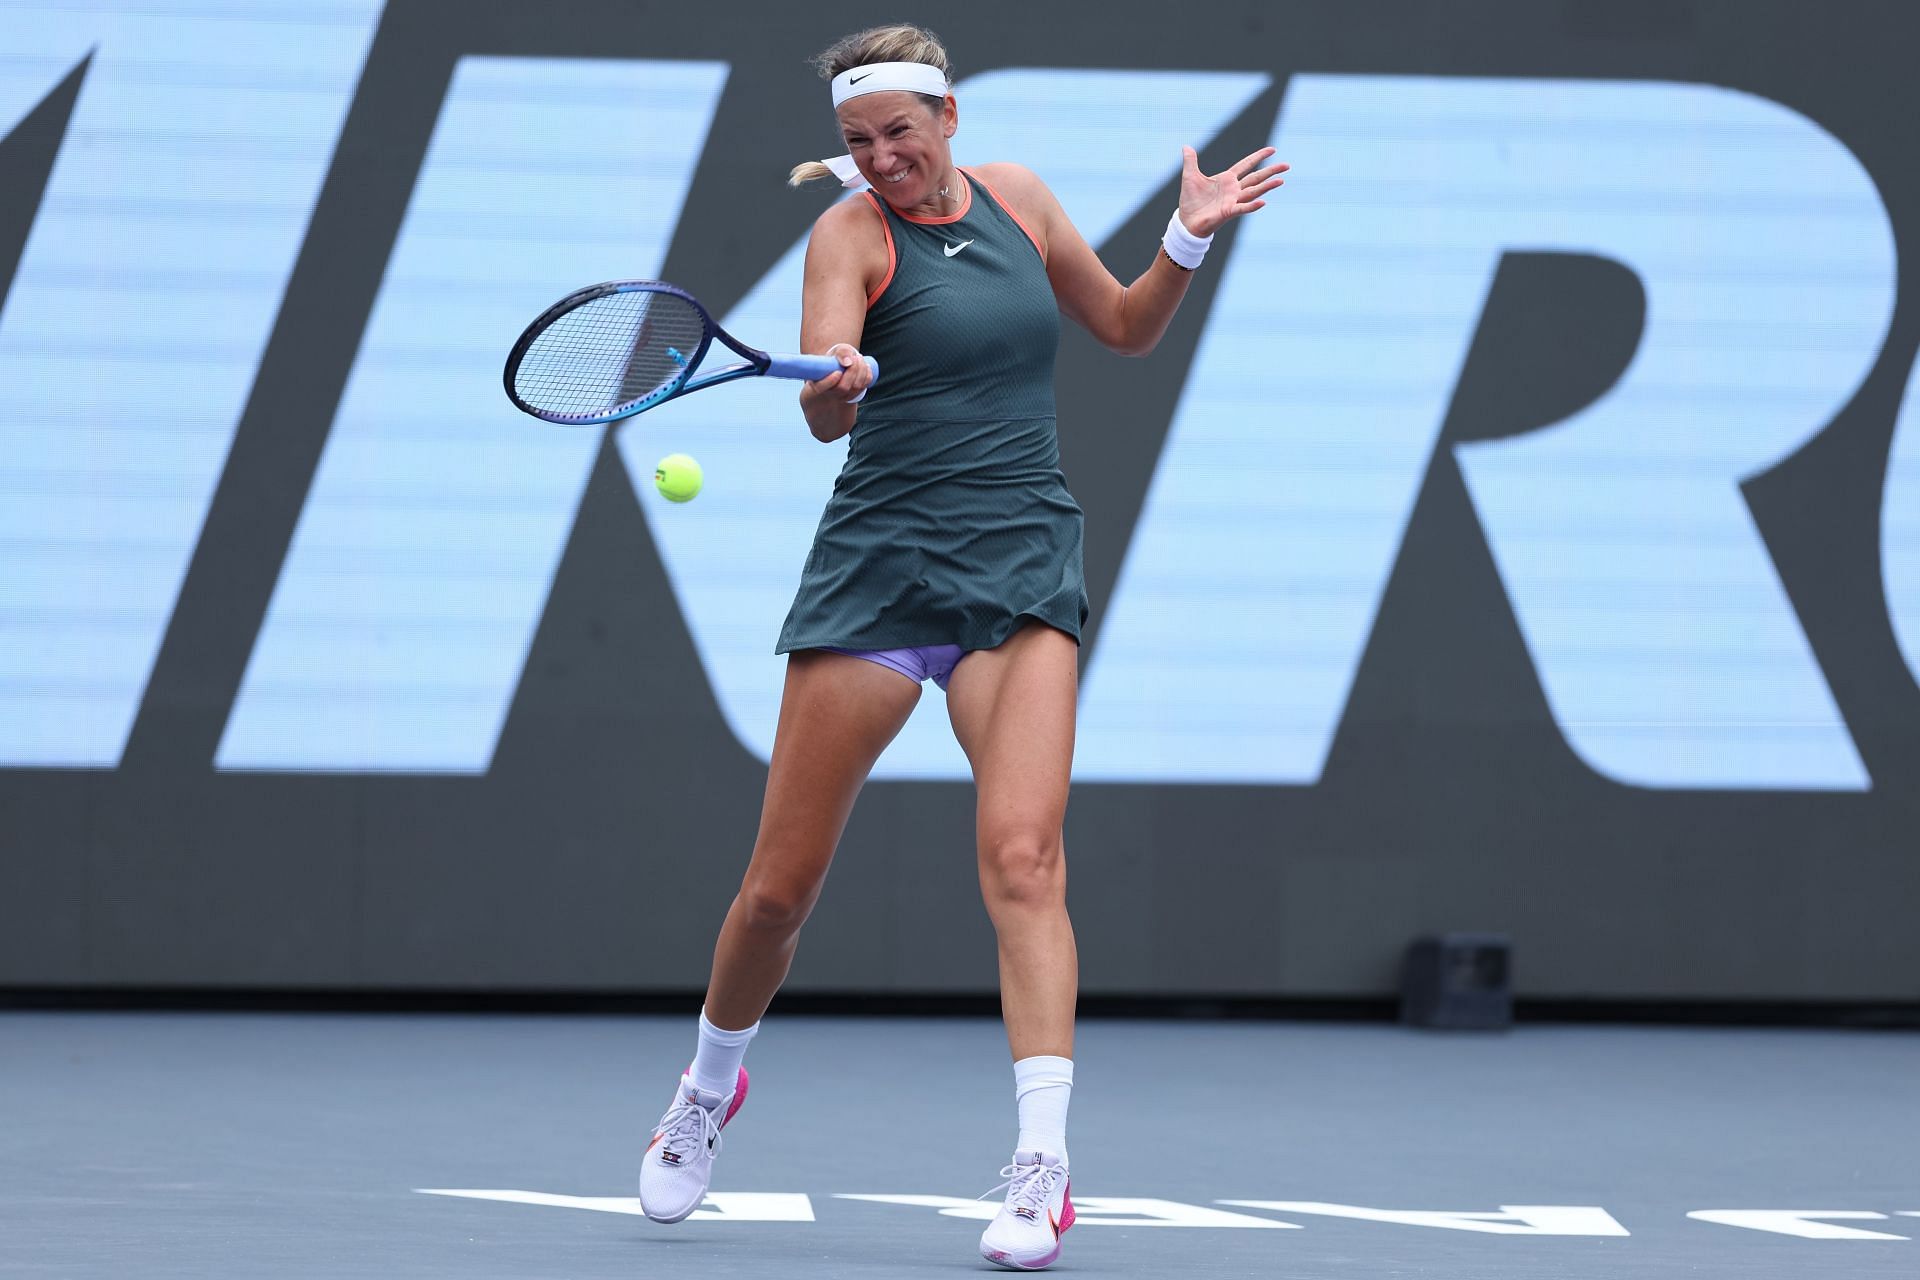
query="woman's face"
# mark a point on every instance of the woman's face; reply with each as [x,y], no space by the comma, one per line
[900,144]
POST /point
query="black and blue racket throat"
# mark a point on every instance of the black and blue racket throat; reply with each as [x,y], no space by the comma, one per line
[612,350]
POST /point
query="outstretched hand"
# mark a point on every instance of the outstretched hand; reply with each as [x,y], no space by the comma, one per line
[1208,203]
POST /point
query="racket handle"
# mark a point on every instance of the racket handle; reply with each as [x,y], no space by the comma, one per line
[813,368]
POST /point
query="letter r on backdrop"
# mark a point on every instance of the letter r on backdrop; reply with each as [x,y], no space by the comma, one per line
[1667,648]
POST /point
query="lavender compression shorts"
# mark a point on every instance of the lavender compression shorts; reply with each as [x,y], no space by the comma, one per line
[933,662]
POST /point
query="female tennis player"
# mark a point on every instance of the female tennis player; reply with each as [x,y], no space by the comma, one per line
[951,551]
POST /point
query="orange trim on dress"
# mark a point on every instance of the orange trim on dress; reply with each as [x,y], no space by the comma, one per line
[1017,219]
[952,217]
[893,260]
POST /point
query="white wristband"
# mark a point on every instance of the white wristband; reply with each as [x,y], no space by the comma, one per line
[1185,248]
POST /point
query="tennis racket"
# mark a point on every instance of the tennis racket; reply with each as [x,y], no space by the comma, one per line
[612,350]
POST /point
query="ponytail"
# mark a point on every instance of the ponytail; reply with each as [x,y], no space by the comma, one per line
[809,171]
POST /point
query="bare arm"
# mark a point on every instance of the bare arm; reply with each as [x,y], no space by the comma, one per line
[841,268]
[1131,319]
[1128,319]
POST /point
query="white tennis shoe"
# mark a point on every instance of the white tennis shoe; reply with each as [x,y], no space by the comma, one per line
[678,1163]
[1025,1234]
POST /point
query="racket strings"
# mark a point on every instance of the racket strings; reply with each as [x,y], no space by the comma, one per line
[610,351]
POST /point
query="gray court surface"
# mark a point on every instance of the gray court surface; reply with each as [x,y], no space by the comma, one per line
[150,1145]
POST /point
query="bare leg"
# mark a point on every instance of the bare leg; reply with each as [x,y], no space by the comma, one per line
[1013,712]
[836,716]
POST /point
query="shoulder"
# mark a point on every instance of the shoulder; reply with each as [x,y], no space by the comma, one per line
[850,232]
[850,241]
[853,220]
[1017,183]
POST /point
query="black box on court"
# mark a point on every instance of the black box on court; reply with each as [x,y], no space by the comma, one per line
[1459,981]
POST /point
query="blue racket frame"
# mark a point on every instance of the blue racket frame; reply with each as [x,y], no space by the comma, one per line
[754,362]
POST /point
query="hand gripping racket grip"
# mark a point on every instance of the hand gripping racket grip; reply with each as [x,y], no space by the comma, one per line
[812,368]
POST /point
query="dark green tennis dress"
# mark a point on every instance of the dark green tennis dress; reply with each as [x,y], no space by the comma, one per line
[950,522]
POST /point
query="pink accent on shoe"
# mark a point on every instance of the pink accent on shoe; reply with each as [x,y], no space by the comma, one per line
[1066,1214]
[739,1093]
[740,1096]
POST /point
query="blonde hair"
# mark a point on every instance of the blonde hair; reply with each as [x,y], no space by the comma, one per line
[899,42]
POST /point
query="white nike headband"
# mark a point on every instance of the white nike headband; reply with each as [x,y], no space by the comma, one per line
[887,77]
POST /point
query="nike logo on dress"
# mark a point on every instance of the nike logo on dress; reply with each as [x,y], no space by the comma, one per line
[955,248]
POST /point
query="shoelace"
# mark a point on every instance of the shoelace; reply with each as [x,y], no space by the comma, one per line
[687,1125]
[1028,1185]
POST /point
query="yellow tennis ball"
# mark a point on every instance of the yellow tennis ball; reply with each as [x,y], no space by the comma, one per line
[677,477]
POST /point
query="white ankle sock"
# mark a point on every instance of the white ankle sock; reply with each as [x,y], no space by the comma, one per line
[716,1065]
[1043,1085]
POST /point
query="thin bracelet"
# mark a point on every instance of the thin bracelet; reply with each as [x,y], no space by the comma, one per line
[1170,262]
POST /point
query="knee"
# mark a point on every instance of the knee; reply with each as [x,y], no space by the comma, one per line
[1023,869]
[769,905]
